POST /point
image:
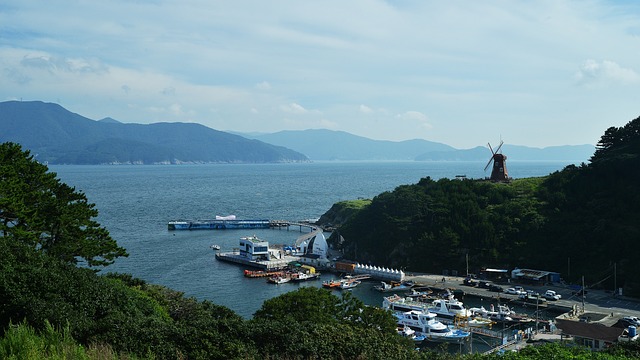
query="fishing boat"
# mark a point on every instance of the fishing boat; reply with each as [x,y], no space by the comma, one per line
[349,284]
[406,331]
[425,324]
[304,276]
[502,315]
[279,279]
[393,286]
[332,284]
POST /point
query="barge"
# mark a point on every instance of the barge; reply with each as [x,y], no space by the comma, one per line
[218,224]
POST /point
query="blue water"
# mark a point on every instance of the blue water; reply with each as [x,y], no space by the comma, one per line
[136,202]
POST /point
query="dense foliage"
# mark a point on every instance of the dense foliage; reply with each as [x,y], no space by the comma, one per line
[587,216]
[36,209]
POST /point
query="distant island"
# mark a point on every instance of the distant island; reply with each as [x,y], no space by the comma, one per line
[328,145]
[57,136]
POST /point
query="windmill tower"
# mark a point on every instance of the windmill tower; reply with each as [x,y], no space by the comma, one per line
[499,171]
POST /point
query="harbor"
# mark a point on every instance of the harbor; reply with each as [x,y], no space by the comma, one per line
[490,330]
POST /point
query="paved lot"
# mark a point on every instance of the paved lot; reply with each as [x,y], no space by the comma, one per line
[595,301]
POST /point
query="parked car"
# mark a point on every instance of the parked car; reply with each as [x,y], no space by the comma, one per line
[532,293]
[514,291]
[495,288]
[552,295]
[532,299]
[631,320]
[469,282]
[520,289]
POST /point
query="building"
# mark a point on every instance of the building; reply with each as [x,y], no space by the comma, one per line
[593,330]
[252,248]
[535,277]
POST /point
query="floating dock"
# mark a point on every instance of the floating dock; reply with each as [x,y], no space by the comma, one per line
[266,265]
[218,224]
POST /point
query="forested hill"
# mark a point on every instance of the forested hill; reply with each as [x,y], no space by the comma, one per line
[588,216]
[58,136]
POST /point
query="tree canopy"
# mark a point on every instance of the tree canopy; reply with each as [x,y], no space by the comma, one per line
[40,211]
[588,215]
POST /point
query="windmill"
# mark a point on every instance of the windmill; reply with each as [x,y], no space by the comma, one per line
[499,171]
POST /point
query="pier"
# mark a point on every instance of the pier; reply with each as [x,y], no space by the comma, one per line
[225,224]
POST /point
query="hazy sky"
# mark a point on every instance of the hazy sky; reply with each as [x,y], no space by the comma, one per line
[464,73]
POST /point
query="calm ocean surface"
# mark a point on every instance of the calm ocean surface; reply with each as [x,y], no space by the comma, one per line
[136,202]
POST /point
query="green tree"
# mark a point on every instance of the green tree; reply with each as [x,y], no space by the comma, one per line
[46,214]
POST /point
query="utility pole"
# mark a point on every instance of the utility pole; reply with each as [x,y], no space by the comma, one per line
[615,280]
[467,257]
[583,294]
[537,301]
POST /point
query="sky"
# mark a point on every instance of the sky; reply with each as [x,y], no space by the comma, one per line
[464,73]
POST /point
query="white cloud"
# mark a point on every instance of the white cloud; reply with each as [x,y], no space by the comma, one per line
[605,72]
[476,66]
[294,108]
[365,109]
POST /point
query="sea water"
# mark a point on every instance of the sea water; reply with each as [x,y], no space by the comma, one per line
[136,202]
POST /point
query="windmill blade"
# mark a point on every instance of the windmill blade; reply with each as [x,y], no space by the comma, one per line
[489,163]
[499,146]
[490,148]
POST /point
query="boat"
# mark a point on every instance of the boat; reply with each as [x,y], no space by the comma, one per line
[393,286]
[400,304]
[503,315]
[406,331]
[279,279]
[449,308]
[215,247]
[304,276]
[349,284]
[262,273]
[424,323]
[332,284]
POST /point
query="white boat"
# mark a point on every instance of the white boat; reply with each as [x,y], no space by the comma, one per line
[279,279]
[349,284]
[449,308]
[303,276]
[215,247]
[400,304]
[393,286]
[425,324]
[502,315]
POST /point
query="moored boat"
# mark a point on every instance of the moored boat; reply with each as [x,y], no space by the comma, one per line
[393,286]
[279,279]
[425,324]
[349,284]
[449,308]
[401,304]
[262,273]
[303,276]
[332,284]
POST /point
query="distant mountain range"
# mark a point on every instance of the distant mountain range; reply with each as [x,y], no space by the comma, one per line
[338,145]
[58,136]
